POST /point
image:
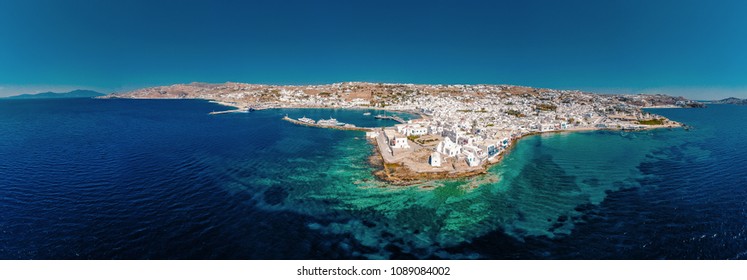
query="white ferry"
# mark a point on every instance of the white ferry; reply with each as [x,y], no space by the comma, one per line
[306,120]
[330,122]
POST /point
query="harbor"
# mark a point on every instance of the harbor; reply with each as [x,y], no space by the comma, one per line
[462,134]
[329,123]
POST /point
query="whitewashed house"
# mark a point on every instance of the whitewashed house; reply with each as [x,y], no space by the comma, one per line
[435,159]
[395,139]
[401,128]
[453,134]
[434,129]
[472,159]
[416,130]
[547,127]
[490,147]
[448,148]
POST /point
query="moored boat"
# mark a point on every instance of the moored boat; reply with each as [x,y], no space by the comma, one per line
[306,120]
[328,122]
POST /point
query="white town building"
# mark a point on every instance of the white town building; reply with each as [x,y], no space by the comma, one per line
[435,159]
[472,159]
[448,148]
[395,139]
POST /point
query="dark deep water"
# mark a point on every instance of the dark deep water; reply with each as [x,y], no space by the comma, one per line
[162,179]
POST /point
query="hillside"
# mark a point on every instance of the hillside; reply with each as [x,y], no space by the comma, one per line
[731,100]
[375,94]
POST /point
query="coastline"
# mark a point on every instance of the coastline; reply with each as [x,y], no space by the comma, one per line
[243,108]
[399,173]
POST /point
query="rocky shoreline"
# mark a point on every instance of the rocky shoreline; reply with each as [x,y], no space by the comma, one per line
[475,116]
[399,174]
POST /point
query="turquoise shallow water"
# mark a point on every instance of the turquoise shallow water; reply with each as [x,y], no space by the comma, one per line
[162,179]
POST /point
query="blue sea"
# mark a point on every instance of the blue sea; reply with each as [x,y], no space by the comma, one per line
[163,179]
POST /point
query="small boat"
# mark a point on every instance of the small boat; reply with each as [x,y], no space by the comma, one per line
[367,113]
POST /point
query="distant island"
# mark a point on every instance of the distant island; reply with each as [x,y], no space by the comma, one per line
[79,93]
[730,100]
[462,129]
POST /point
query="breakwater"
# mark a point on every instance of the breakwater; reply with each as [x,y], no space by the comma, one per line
[394,118]
[286,118]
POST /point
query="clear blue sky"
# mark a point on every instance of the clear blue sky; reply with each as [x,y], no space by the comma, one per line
[692,48]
